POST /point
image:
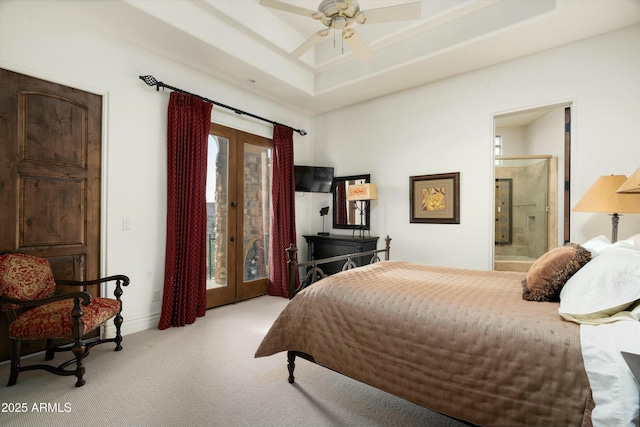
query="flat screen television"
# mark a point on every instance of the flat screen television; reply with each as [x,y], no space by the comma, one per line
[313,179]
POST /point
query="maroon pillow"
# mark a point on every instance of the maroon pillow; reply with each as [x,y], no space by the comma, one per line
[549,273]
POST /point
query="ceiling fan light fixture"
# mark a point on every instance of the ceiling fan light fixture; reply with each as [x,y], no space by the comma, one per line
[332,8]
[361,18]
[339,22]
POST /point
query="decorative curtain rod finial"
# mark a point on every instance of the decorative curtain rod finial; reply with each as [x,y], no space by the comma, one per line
[151,81]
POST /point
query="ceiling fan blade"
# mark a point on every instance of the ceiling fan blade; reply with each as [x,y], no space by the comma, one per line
[310,42]
[356,44]
[401,12]
[275,4]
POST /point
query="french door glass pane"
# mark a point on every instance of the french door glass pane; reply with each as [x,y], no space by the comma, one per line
[257,196]
[217,211]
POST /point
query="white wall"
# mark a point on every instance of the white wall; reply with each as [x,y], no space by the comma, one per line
[546,135]
[48,40]
[447,127]
[514,140]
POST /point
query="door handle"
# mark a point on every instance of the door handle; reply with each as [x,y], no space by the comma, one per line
[233,239]
[234,204]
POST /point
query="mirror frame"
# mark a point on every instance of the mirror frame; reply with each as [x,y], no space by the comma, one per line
[367,217]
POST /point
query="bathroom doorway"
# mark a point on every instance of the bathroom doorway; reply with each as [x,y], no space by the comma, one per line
[531,161]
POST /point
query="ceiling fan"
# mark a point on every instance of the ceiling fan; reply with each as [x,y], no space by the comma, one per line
[341,15]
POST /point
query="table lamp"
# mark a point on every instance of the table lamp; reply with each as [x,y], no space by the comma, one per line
[323,212]
[604,197]
[632,185]
[362,193]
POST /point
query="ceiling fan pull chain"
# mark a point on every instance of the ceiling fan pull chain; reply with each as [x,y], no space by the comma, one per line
[334,37]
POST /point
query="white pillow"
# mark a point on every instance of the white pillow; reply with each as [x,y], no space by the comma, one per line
[596,244]
[606,285]
[600,244]
[635,238]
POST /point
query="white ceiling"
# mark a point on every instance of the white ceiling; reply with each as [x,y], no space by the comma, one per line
[246,44]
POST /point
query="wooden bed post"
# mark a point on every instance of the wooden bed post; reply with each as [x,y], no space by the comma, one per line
[291,270]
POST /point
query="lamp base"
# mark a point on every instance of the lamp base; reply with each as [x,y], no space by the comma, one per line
[615,218]
[362,231]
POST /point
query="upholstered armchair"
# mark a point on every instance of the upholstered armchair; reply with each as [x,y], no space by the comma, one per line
[36,312]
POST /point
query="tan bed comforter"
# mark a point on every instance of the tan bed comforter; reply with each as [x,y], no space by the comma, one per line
[460,342]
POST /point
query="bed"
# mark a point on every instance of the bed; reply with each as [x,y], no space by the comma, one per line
[461,342]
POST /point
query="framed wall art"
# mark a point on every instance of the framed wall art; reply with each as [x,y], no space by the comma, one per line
[435,198]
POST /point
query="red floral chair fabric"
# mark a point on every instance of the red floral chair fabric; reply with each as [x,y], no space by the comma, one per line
[35,312]
[54,321]
[25,277]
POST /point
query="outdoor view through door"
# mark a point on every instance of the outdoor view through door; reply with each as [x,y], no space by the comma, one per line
[238,215]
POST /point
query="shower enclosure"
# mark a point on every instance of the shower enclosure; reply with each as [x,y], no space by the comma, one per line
[521,211]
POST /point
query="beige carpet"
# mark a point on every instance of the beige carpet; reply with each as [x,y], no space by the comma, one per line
[203,375]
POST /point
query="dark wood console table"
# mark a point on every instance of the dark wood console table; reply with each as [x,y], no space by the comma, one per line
[336,244]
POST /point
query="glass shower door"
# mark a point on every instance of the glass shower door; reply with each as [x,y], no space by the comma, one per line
[521,201]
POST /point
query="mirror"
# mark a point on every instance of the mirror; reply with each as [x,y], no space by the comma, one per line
[345,214]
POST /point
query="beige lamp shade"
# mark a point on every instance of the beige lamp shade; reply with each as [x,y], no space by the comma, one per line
[603,197]
[362,192]
[632,185]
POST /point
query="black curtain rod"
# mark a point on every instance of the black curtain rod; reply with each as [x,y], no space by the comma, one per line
[151,81]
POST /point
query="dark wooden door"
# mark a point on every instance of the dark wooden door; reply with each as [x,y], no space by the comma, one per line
[50,169]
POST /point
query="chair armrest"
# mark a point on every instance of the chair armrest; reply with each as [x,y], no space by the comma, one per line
[86,299]
[124,281]
[120,279]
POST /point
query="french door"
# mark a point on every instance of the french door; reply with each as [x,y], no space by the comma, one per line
[238,215]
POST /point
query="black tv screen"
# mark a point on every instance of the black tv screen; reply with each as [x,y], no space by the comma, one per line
[313,179]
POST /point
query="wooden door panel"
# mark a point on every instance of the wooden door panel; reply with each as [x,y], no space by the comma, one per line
[54,130]
[52,213]
[250,149]
[50,169]
[71,267]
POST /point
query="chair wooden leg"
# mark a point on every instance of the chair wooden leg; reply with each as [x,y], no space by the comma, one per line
[118,340]
[50,350]
[78,352]
[15,362]
[78,348]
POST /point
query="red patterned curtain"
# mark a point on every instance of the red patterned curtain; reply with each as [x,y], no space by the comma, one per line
[283,209]
[185,286]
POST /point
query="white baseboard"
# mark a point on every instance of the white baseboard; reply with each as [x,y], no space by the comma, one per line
[131,326]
